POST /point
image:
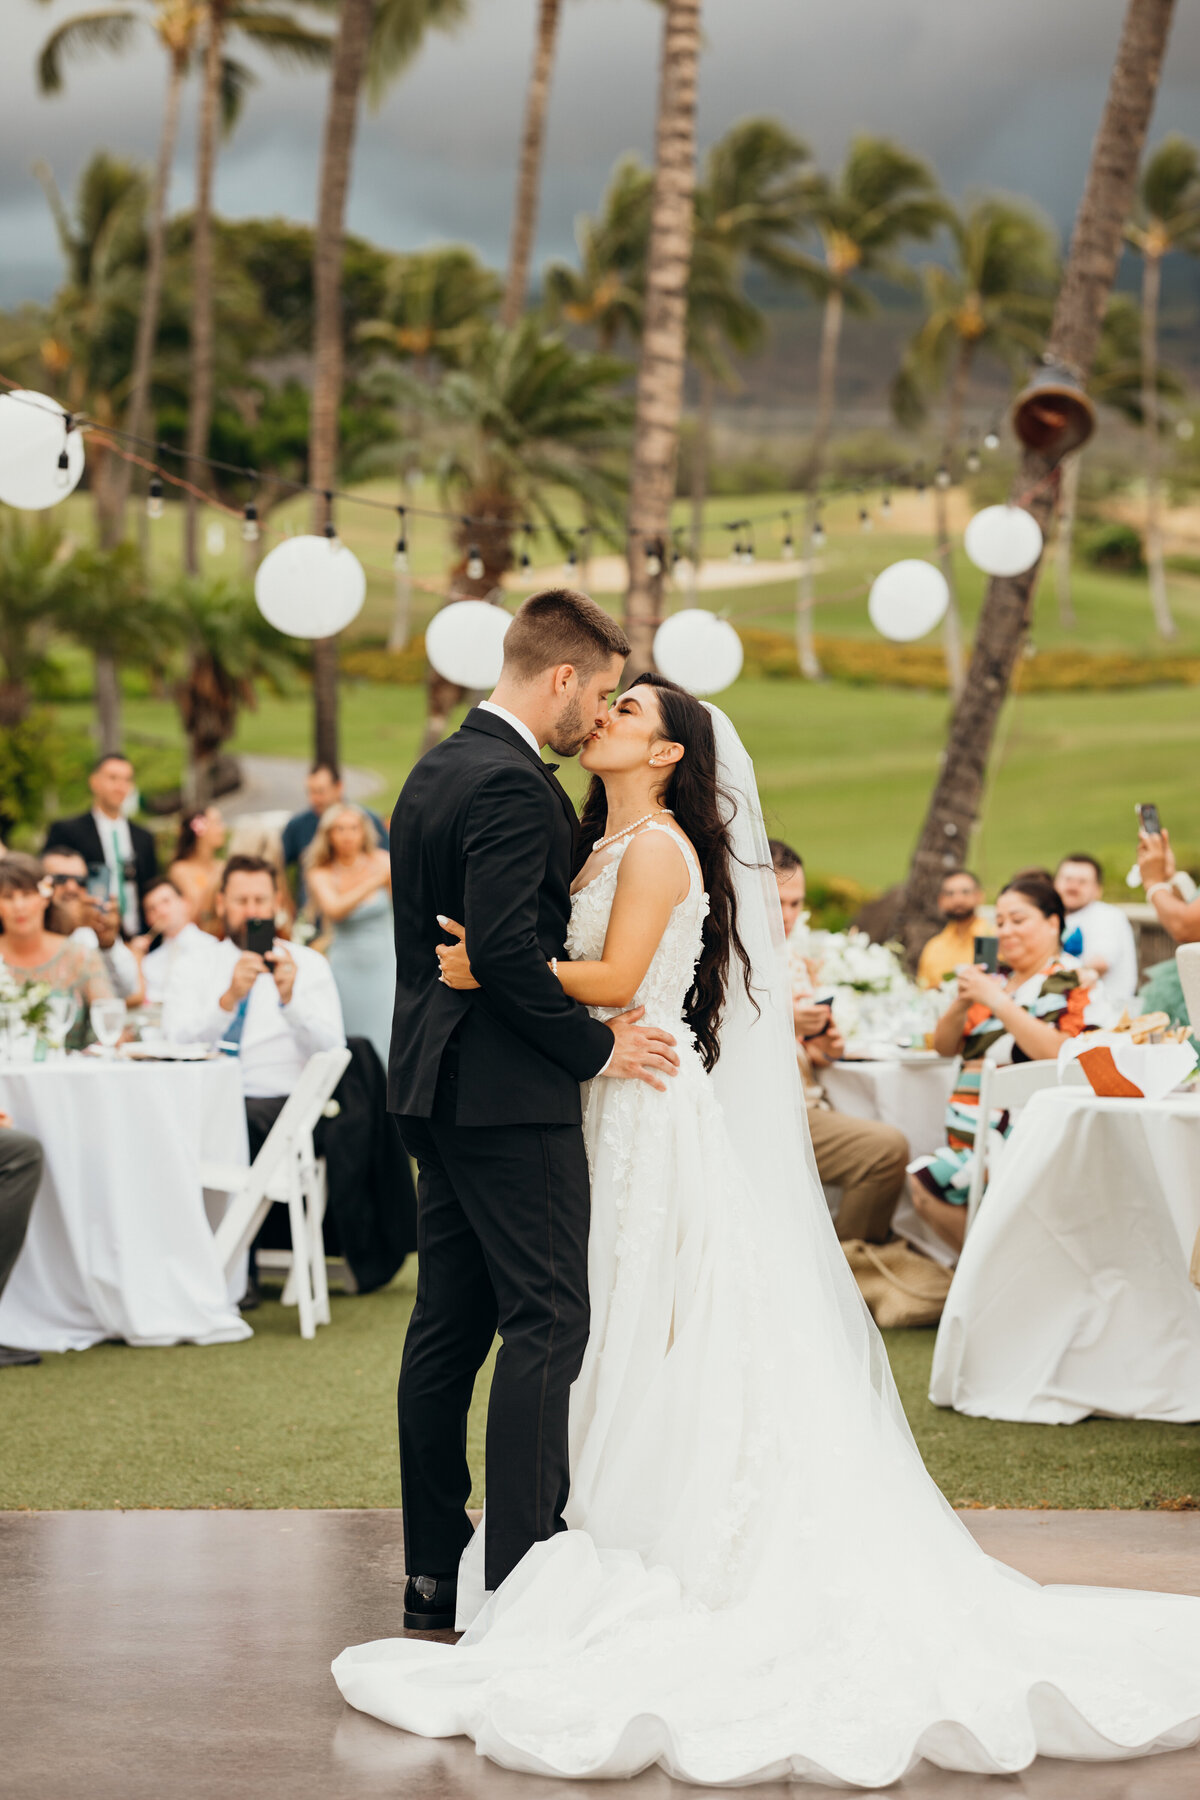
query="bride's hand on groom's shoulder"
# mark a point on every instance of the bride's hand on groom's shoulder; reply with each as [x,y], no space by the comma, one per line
[643,1052]
[455,963]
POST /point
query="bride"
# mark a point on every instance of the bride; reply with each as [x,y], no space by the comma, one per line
[759,1579]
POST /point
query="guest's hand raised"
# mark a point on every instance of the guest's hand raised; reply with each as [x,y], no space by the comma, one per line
[104,920]
[975,985]
[283,971]
[1156,859]
[453,958]
[246,971]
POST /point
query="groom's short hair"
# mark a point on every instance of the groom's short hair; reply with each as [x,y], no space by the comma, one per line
[560,626]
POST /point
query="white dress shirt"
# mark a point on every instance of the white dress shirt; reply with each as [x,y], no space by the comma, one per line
[1108,935]
[161,968]
[276,1040]
[518,725]
[119,961]
[116,841]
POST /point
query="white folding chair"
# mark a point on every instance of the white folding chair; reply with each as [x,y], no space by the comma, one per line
[1007,1087]
[1187,961]
[287,1169]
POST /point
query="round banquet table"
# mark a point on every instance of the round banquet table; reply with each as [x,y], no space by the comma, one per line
[119,1243]
[1072,1293]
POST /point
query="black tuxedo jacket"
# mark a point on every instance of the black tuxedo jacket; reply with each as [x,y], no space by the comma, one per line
[80,834]
[483,833]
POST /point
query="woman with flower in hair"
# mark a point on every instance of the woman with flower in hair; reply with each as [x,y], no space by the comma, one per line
[32,956]
[196,869]
[1021,1014]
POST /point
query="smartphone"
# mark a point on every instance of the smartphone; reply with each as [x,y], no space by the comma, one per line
[1149,820]
[985,953]
[260,936]
[99,882]
[821,1000]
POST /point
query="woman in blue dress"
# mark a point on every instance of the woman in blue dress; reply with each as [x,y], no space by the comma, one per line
[349,882]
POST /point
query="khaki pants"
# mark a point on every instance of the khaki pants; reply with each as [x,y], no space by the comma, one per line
[867,1160]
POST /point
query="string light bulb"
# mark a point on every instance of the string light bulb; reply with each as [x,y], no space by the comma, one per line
[154,498]
[62,477]
[942,477]
[654,561]
[992,439]
[864,520]
[974,461]
[400,557]
[885,507]
[818,536]
[788,547]
[330,528]
[250,523]
[474,564]
[526,559]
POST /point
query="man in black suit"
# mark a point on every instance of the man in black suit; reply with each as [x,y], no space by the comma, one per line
[487,1088]
[105,837]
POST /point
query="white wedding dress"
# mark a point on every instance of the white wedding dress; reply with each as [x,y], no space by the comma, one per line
[760,1580]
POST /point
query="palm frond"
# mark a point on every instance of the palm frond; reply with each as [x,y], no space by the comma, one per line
[282,37]
[108,28]
[398,32]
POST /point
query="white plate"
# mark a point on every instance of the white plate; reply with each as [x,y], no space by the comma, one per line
[167,1052]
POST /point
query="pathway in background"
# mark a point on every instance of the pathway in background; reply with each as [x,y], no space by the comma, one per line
[276,784]
[185,1656]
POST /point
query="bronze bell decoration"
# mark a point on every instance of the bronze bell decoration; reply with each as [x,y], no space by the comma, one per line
[1053,414]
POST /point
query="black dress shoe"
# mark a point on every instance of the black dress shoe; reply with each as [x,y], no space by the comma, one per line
[430,1602]
[251,1298]
[14,1359]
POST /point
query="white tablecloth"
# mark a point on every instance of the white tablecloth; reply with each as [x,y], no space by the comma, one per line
[1072,1295]
[912,1097]
[119,1242]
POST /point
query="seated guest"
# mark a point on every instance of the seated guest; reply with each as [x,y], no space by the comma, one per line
[92,923]
[1022,1015]
[959,900]
[168,916]
[1105,936]
[272,1012]
[20,1175]
[864,1157]
[350,881]
[105,836]
[32,953]
[1167,888]
[196,869]
[324,789]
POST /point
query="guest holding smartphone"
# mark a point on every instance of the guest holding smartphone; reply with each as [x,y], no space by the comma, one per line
[1167,887]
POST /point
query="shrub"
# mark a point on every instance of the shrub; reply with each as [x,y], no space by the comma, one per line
[374,663]
[32,758]
[834,901]
[1114,546]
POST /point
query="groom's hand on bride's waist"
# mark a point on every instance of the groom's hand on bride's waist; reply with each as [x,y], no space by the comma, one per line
[642,1053]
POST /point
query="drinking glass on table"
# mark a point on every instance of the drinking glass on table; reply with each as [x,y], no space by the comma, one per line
[108,1022]
[62,1009]
[11,1026]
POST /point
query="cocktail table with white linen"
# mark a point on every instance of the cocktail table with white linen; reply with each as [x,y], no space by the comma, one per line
[1072,1294]
[119,1243]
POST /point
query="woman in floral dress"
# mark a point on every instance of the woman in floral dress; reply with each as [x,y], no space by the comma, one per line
[32,955]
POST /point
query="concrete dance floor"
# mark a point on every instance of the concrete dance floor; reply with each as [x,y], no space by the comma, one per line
[185,1656]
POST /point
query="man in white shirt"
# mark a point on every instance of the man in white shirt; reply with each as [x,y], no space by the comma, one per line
[168,917]
[1107,943]
[88,921]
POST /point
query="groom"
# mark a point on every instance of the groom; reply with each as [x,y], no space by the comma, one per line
[486,1085]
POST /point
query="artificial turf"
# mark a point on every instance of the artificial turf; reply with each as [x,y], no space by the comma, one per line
[276,1422]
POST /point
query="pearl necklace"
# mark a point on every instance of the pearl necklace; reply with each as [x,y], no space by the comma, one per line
[602,843]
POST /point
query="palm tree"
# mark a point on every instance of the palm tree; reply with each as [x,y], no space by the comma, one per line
[435,302]
[282,36]
[1074,337]
[104,605]
[176,23]
[34,556]
[533,137]
[1167,218]
[607,291]
[994,299]
[659,399]
[883,198]
[387,35]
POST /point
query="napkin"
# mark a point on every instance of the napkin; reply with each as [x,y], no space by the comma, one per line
[1116,1066]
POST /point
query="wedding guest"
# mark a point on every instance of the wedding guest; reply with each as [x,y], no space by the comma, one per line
[865,1158]
[92,923]
[1105,941]
[1019,1016]
[20,1176]
[168,916]
[105,836]
[959,900]
[196,868]
[259,835]
[323,787]
[350,881]
[32,953]
[1178,911]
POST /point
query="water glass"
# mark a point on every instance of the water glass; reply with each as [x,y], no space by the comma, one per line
[149,1022]
[108,1022]
[11,1026]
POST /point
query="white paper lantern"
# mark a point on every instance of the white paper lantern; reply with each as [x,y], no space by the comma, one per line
[908,600]
[698,650]
[32,440]
[1003,540]
[310,587]
[465,642]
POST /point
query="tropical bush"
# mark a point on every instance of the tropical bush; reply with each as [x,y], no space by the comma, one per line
[1114,546]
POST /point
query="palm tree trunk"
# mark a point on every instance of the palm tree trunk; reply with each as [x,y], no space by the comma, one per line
[1087,282]
[529,179]
[952,630]
[1164,624]
[156,253]
[831,334]
[1068,502]
[701,453]
[659,403]
[108,704]
[337,154]
[201,375]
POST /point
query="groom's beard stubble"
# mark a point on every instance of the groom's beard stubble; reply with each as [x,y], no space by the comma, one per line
[570,732]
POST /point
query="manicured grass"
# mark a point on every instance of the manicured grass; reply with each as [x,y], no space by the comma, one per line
[278,1422]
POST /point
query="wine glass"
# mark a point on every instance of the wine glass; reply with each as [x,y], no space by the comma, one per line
[10,1029]
[62,1009]
[108,1022]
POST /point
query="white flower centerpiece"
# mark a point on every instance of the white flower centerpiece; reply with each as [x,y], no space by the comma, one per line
[874,999]
[31,999]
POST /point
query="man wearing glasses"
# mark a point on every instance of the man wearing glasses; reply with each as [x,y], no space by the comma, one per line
[86,920]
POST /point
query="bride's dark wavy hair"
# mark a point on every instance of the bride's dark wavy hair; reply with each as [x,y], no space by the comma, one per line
[694,795]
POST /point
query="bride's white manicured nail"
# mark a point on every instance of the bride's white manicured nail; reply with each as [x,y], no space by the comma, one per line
[441,918]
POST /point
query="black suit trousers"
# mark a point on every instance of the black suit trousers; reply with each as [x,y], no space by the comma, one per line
[502,1235]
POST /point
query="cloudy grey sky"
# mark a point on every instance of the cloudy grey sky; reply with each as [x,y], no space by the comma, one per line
[998,93]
